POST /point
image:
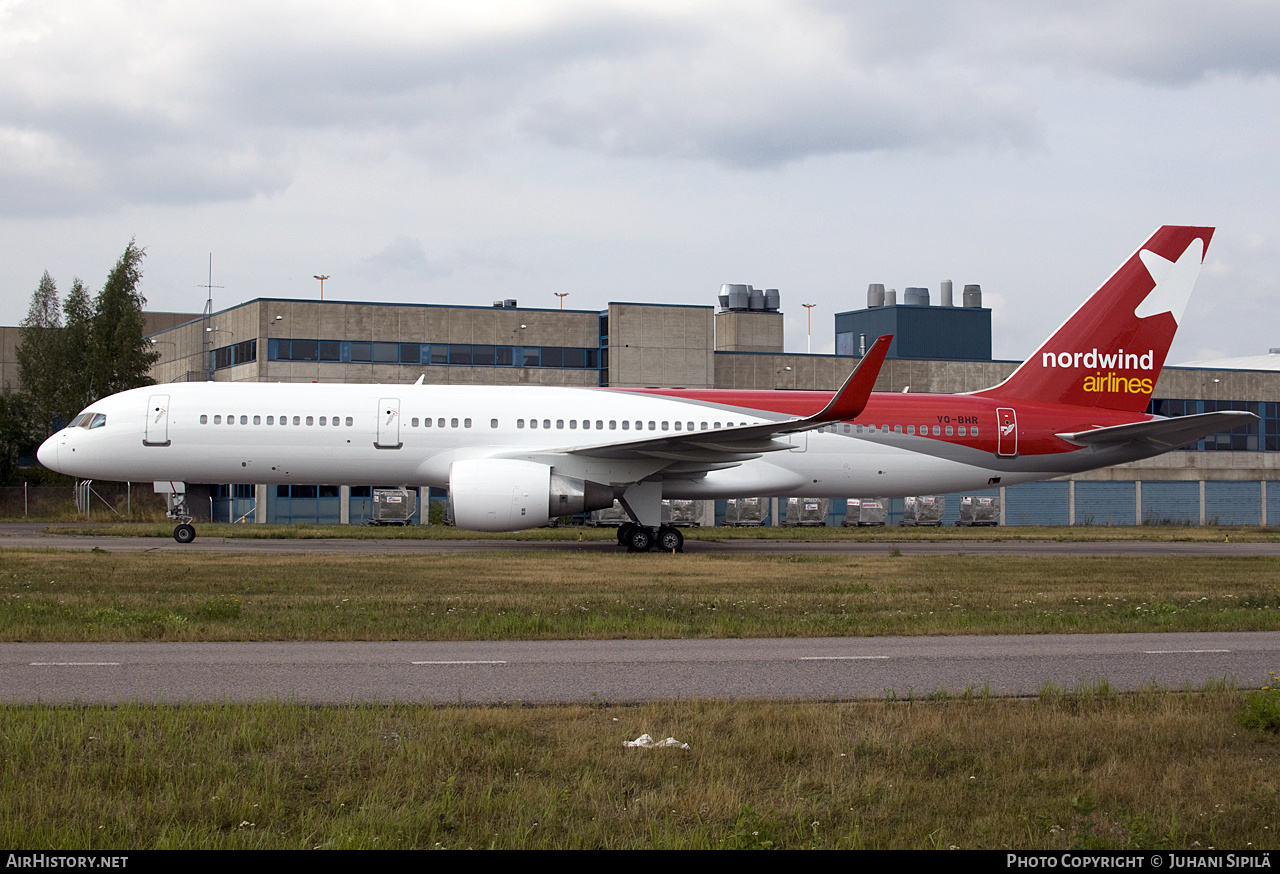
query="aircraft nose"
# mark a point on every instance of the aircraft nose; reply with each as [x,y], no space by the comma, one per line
[47,454]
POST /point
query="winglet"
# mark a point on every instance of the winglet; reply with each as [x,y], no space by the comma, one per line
[852,398]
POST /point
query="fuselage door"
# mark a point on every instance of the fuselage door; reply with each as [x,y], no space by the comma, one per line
[1007,433]
[157,433]
[388,424]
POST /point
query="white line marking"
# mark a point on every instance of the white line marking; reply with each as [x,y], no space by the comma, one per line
[1179,651]
[74,664]
[838,658]
[460,663]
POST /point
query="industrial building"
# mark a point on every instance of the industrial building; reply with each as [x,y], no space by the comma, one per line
[737,345]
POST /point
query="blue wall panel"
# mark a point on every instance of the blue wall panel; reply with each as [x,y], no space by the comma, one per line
[1171,503]
[1037,504]
[1238,503]
[1104,503]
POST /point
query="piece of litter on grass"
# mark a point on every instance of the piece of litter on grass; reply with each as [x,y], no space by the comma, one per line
[649,743]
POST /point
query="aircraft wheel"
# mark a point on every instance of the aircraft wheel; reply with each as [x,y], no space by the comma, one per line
[670,539]
[184,533]
[624,532]
[640,539]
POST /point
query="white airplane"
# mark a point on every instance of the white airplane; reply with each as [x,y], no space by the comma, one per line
[515,457]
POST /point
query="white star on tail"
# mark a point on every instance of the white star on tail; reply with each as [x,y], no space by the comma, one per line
[1174,281]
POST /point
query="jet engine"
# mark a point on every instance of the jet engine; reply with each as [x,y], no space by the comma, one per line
[508,495]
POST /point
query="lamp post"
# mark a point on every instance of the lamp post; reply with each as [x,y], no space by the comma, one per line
[809,312]
[562,295]
[322,279]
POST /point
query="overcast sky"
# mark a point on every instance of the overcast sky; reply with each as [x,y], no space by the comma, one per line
[459,152]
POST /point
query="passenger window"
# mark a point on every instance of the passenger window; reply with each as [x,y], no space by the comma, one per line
[666,426]
[519,423]
[493,423]
[271,420]
[974,431]
[678,426]
[626,425]
[204,420]
[324,422]
[310,420]
[704,426]
[348,421]
[961,430]
[560,423]
[546,423]
[716,425]
[413,422]
[599,424]
[533,423]
[949,431]
[911,429]
[439,423]
[257,420]
[586,424]
[613,424]
[466,423]
[936,430]
[897,429]
[453,423]
[231,420]
[297,420]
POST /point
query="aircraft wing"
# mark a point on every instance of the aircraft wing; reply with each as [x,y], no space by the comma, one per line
[725,447]
[1164,433]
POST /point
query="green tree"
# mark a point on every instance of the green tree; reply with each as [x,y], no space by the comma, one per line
[76,390]
[15,434]
[121,354]
[40,359]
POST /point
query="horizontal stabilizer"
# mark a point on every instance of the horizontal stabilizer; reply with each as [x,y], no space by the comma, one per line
[1163,433]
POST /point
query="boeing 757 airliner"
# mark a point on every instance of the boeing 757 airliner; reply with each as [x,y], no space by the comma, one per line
[515,457]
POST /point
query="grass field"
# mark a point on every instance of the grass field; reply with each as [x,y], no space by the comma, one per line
[1071,769]
[1090,770]
[84,596]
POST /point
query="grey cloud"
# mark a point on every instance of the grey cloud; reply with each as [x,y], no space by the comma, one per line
[187,113]
[405,257]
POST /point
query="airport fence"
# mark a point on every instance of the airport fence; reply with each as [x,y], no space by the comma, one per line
[104,501]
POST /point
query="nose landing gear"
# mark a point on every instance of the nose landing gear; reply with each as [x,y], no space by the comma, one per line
[177,502]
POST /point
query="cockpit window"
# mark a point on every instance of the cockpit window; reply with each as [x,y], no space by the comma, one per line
[75,423]
[98,420]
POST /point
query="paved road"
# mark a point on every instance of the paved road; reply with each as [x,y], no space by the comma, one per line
[624,671]
[32,536]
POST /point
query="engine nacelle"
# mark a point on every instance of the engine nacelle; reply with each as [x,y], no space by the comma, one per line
[506,495]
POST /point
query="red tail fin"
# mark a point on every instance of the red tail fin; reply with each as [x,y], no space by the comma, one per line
[1110,351]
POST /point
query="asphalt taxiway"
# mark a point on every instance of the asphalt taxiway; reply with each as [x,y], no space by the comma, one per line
[35,536]
[493,672]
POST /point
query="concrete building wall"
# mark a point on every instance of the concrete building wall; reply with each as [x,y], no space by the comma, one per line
[751,331]
[9,339]
[828,372]
[660,345]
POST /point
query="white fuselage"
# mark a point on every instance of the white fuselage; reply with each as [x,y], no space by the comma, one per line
[378,435]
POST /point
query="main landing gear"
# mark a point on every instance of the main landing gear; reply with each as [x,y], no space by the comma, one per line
[639,538]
